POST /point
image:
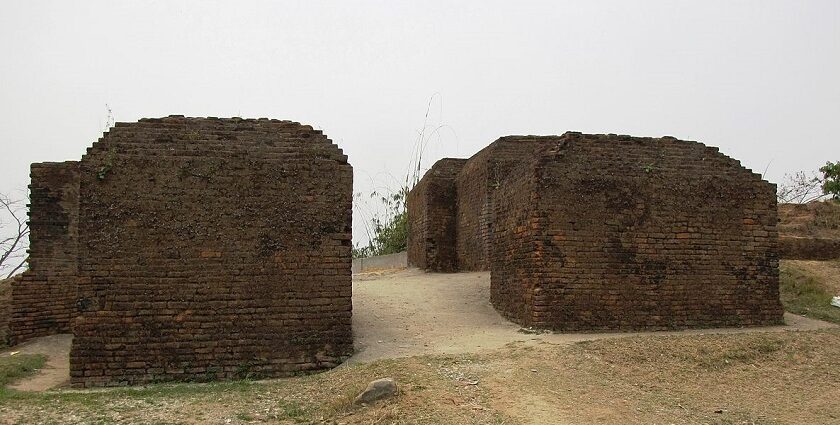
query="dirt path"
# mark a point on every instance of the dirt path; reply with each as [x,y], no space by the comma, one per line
[408,313]
[56,372]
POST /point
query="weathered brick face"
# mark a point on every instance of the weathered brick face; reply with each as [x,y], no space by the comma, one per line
[212,249]
[459,194]
[431,218]
[43,299]
[594,232]
[475,186]
[5,310]
[639,233]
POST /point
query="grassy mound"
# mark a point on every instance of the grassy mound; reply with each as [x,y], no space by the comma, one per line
[13,368]
[806,293]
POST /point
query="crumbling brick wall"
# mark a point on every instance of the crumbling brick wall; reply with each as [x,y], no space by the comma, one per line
[212,249]
[475,186]
[597,232]
[43,298]
[5,310]
[431,218]
[459,193]
[635,233]
[514,219]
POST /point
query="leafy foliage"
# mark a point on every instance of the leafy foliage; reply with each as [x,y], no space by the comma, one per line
[390,232]
[388,229]
[801,188]
[831,179]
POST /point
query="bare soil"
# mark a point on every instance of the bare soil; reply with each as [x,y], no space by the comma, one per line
[56,372]
[815,219]
[457,361]
[409,313]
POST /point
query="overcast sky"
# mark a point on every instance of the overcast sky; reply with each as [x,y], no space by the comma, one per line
[759,79]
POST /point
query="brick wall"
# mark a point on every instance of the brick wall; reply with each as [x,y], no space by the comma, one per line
[212,249]
[597,232]
[475,186]
[5,310]
[431,218]
[456,235]
[515,220]
[638,233]
[43,298]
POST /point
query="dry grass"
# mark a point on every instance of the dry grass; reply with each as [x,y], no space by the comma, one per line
[15,367]
[816,219]
[751,378]
[761,378]
[807,287]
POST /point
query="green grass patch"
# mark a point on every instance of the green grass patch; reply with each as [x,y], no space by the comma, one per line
[13,368]
[803,293]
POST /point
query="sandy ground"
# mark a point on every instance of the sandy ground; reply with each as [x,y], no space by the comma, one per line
[56,371]
[408,313]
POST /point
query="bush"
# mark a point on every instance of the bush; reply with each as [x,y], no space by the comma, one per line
[389,233]
[831,179]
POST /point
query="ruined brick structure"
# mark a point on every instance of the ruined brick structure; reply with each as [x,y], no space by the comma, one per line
[200,249]
[432,204]
[451,208]
[211,249]
[5,310]
[597,232]
[43,298]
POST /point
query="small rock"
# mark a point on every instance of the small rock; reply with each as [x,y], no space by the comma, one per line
[377,390]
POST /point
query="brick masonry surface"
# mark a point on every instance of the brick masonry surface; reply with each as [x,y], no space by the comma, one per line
[191,249]
[432,207]
[5,310]
[606,232]
[43,298]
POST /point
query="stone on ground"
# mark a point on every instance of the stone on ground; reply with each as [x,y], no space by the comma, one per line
[377,390]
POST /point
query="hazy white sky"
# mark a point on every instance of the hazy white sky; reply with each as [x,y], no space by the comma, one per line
[760,79]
